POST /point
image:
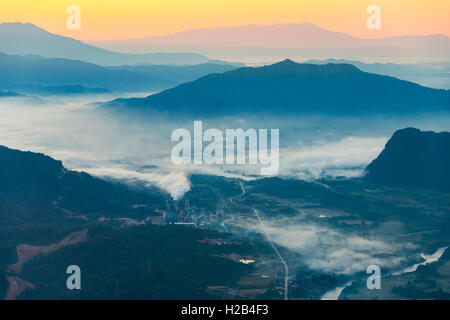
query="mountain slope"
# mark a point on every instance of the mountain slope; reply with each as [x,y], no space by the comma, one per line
[36,189]
[29,69]
[288,87]
[414,158]
[26,38]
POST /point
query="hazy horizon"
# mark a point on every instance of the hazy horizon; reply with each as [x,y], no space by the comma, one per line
[135,19]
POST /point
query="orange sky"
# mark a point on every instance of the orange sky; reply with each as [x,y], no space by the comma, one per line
[116,19]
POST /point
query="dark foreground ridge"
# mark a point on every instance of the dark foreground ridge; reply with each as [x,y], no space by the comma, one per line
[36,189]
[414,158]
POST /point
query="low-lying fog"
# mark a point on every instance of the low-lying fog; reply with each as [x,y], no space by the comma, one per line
[136,149]
[333,251]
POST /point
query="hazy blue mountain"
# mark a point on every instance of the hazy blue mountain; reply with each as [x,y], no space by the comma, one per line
[22,71]
[26,38]
[180,73]
[414,158]
[43,90]
[432,74]
[290,88]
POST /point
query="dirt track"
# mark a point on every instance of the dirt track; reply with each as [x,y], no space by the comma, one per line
[26,252]
[16,287]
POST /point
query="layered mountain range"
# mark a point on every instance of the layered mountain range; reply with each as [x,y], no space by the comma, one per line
[288,87]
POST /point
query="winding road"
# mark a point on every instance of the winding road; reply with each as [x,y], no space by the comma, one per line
[239,195]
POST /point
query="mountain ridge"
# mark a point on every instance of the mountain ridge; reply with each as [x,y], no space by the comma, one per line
[32,69]
[27,38]
[288,87]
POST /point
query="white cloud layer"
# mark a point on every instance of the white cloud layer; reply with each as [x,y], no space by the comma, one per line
[328,250]
[135,149]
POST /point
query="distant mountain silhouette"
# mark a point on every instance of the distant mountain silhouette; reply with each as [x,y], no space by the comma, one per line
[22,71]
[291,88]
[44,90]
[302,40]
[179,74]
[36,189]
[414,158]
[26,38]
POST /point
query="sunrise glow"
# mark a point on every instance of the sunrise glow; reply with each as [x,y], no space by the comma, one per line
[112,19]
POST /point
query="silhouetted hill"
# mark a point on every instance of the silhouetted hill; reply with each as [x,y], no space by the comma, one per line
[26,70]
[291,88]
[414,158]
[26,38]
[36,189]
